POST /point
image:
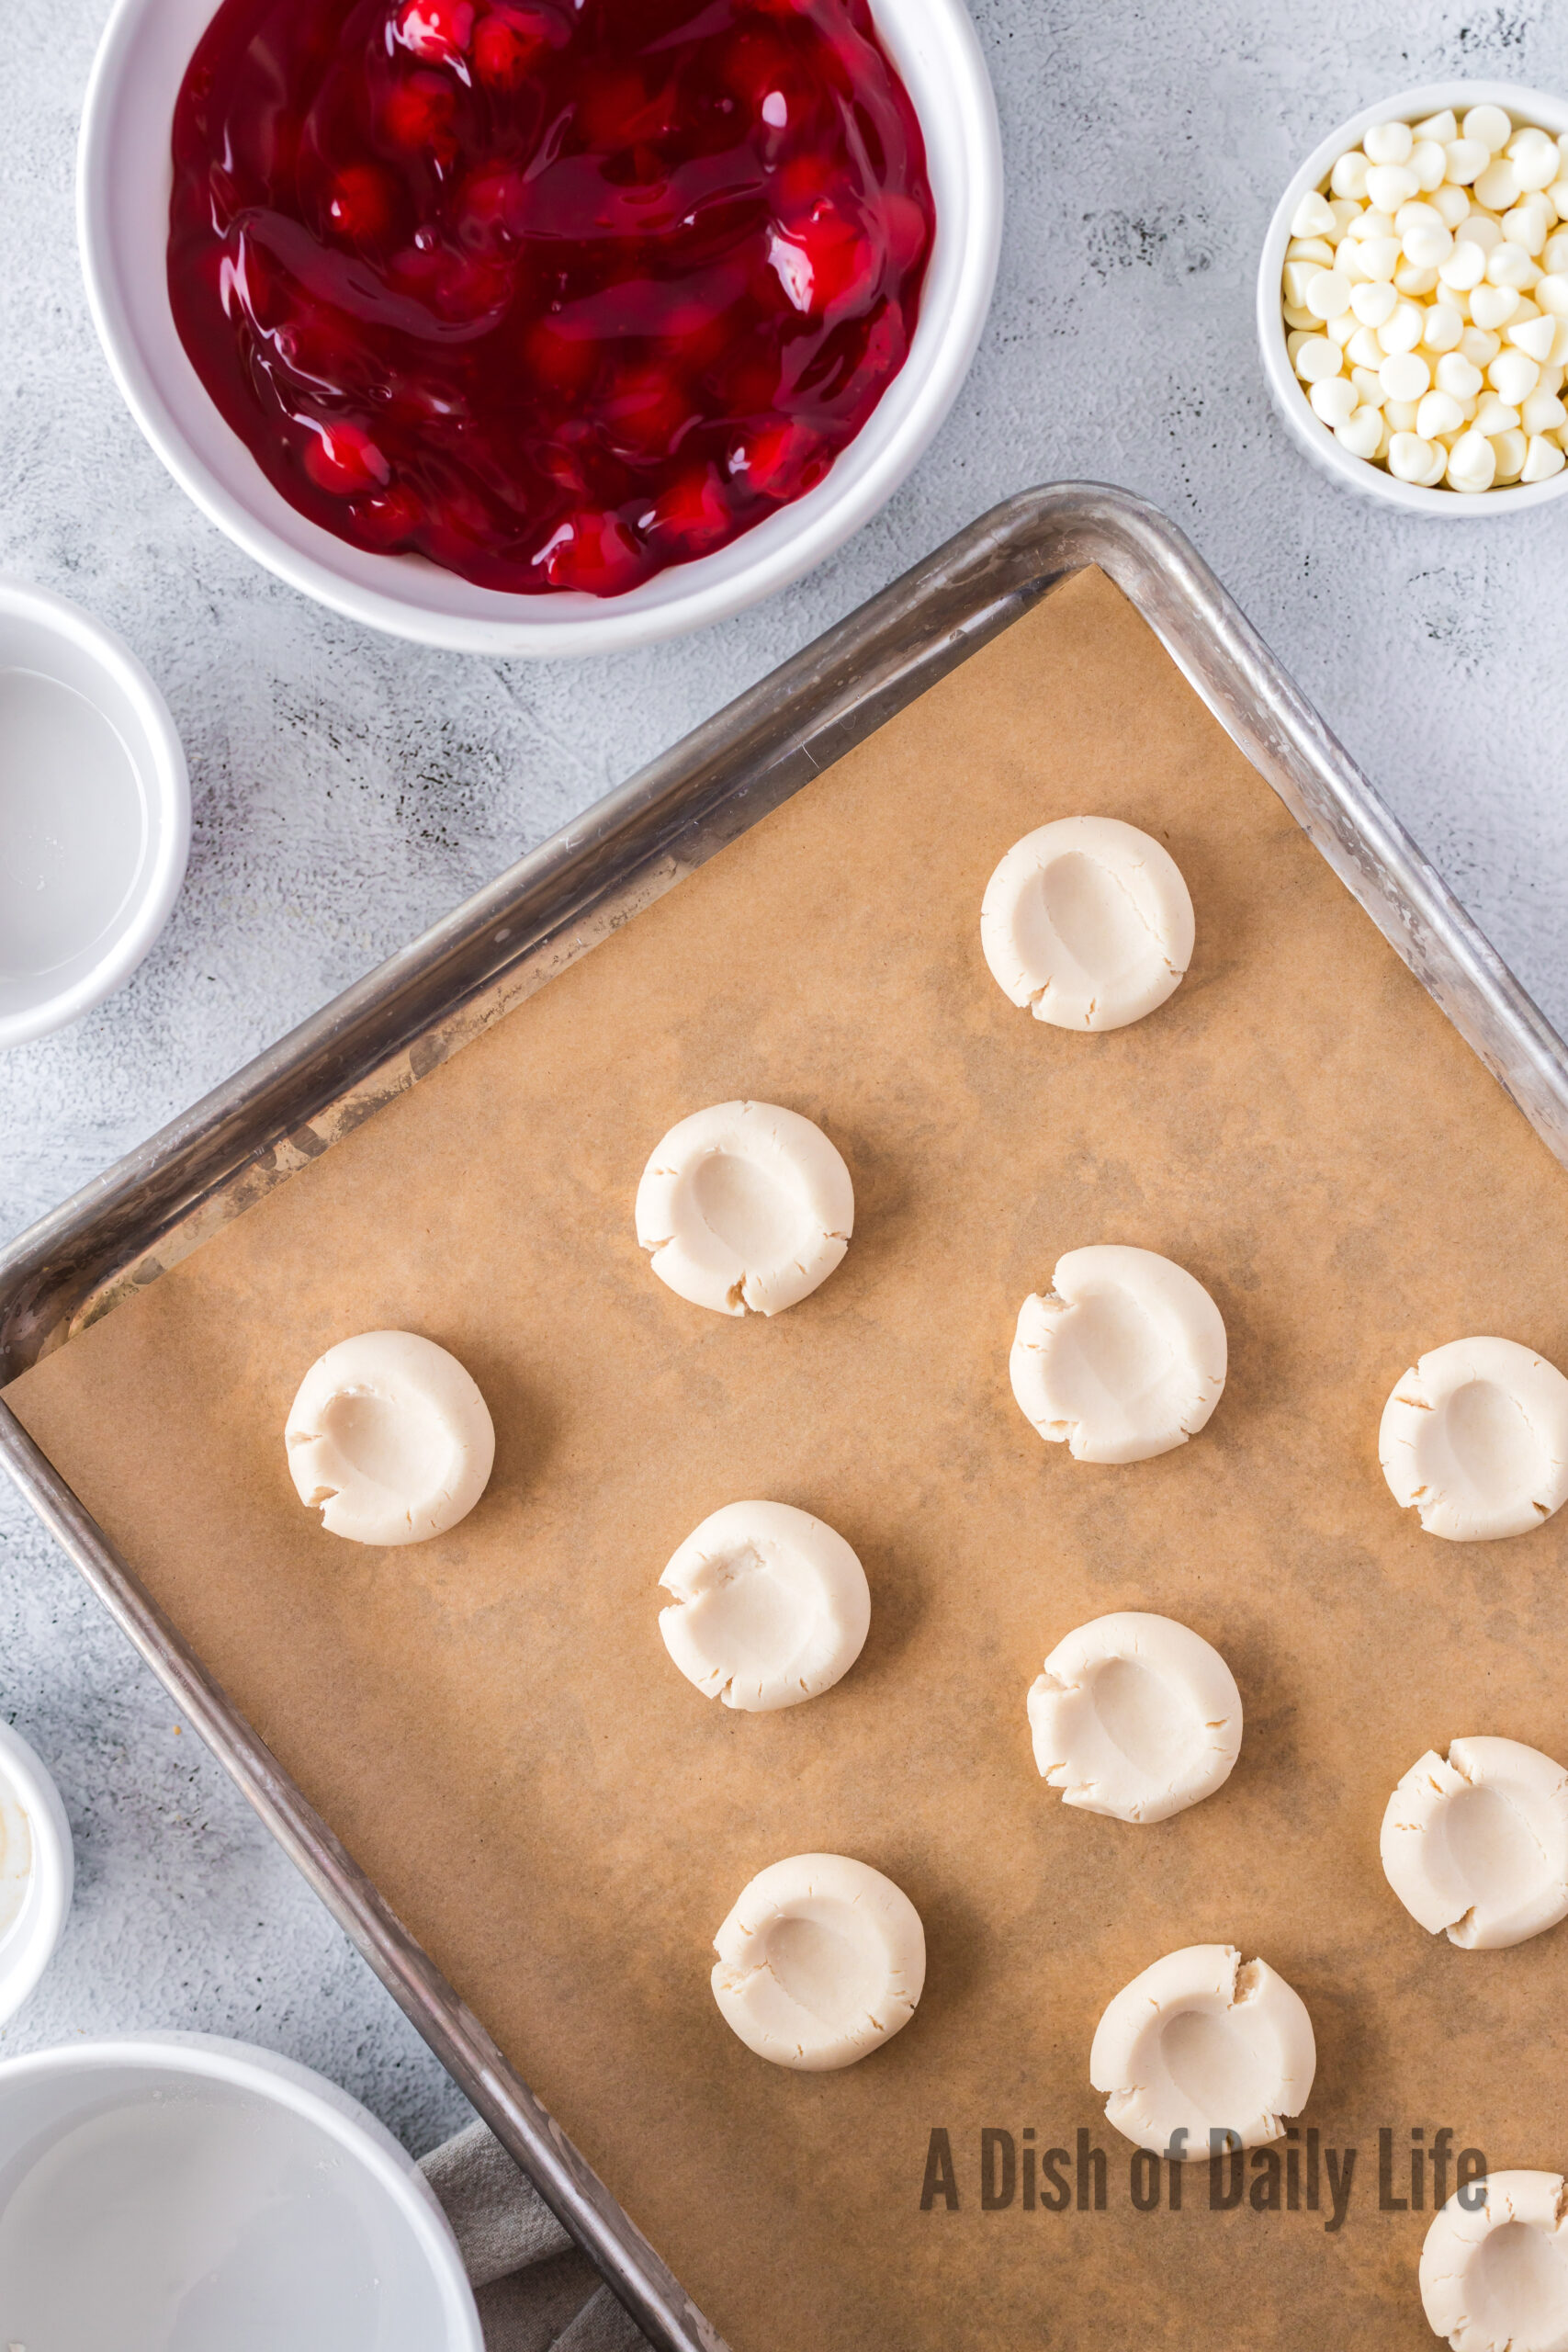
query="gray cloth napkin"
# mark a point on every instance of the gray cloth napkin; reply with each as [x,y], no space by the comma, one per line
[535,2291]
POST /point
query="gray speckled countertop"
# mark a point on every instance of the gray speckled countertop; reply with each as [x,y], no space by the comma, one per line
[348,789]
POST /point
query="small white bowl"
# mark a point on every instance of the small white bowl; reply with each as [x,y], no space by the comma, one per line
[1305,428]
[178,2189]
[94,812]
[37,1869]
[124,180]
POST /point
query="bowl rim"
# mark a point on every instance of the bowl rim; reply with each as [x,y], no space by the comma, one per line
[1314,438]
[38,1927]
[286,2082]
[536,624]
[166,781]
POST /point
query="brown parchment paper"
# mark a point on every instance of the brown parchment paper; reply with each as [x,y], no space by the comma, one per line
[490,1721]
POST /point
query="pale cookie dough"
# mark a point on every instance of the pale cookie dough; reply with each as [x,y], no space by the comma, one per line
[1200,2044]
[1475,1437]
[821,1960]
[770,1607]
[1478,1847]
[1135,1717]
[1087,922]
[389,1438]
[1123,1359]
[1496,2281]
[745,1205]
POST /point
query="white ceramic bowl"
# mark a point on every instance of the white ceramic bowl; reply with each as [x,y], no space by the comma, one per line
[178,2190]
[123,187]
[94,812]
[35,1882]
[1306,429]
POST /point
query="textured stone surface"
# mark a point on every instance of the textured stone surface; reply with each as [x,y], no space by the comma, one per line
[347,789]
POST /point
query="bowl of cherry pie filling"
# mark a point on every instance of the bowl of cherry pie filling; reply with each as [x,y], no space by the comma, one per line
[539,326]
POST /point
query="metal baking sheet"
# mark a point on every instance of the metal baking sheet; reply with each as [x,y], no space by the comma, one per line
[403,1021]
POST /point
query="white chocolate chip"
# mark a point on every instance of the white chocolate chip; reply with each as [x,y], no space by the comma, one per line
[1543,412]
[1401,330]
[1438,413]
[1543,459]
[1391,185]
[1498,186]
[1472,462]
[1441,127]
[1494,415]
[1465,266]
[1459,376]
[1489,126]
[1511,449]
[1364,350]
[1494,306]
[1327,294]
[1349,176]
[1535,158]
[1389,142]
[1404,375]
[1410,457]
[1362,432]
[1429,163]
[1526,226]
[1514,373]
[1551,293]
[1374,303]
[1536,338]
[1427,247]
[1467,158]
[1314,217]
[1334,400]
[1479,346]
[1451,205]
[1443,328]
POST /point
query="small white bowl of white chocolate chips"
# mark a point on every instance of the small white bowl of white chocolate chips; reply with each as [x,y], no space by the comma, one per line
[1413,301]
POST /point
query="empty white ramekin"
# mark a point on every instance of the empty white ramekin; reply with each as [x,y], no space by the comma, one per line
[122,202]
[182,2188]
[92,849]
[1306,429]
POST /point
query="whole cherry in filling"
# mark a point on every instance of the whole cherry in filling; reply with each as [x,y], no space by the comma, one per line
[554,295]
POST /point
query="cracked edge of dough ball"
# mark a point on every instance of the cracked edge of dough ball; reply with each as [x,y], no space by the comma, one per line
[1062,990]
[698,1262]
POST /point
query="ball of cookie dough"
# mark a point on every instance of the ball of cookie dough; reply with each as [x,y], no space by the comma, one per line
[1475,1439]
[745,1205]
[389,1438]
[1088,921]
[1476,1846]
[1202,2042]
[821,1960]
[770,1607]
[1496,2279]
[1135,1717]
[1124,1358]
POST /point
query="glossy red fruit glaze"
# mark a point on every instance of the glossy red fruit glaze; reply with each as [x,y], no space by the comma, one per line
[554,295]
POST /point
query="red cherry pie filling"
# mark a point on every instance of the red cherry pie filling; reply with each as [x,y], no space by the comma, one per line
[553,294]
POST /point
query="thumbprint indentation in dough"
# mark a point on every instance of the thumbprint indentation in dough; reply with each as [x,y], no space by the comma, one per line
[821,1960]
[1088,923]
[389,1439]
[1123,1359]
[1475,1439]
[1135,1717]
[768,1606]
[1475,1843]
[1209,2061]
[389,1442]
[1494,2278]
[745,1204]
